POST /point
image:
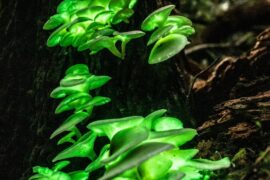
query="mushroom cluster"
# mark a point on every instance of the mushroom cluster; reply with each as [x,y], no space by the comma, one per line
[138,148]
[87,24]
[148,148]
[74,88]
[170,33]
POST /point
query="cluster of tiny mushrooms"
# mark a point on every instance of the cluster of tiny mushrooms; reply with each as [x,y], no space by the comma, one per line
[89,25]
[139,147]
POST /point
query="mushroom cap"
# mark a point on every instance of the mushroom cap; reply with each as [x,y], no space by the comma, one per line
[104,17]
[57,36]
[167,47]
[184,30]
[117,5]
[178,21]
[70,123]
[159,33]
[90,12]
[167,123]
[66,40]
[64,5]
[97,44]
[78,69]
[110,127]
[122,15]
[73,80]
[103,3]
[129,34]
[77,5]
[157,18]
[132,3]
[56,20]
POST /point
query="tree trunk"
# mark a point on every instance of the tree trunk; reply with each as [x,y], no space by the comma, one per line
[30,71]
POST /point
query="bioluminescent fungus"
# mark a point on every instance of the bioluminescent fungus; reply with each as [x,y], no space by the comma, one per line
[170,35]
[159,33]
[43,173]
[167,47]
[81,24]
[110,127]
[139,147]
[157,18]
[84,147]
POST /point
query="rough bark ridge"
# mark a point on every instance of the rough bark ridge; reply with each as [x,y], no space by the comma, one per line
[238,91]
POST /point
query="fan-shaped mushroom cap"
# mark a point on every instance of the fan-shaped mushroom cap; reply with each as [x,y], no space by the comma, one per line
[117,5]
[159,33]
[78,69]
[167,47]
[157,18]
[177,21]
[122,15]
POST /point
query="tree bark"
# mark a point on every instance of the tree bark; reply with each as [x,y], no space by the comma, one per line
[30,71]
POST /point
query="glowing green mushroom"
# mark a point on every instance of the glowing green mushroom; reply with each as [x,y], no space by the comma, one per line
[57,36]
[184,30]
[64,5]
[167,47]
[90,12]
[117,5]
[77,5]
[70,123]
[96,101]
[126,37]
[97,163]
[61,92]
[157,18]
[155,168]
[178,21]
[94,82]
[44,173]
[122,15]
[83,148]
[103,3]
[56,20]
[67,138]
[67,40]
[73,80]
[104,17]
[110,127]
[72,102]
[99,43]
[124,140]
[78,175]
[206,164]
[132,3]
[78,69]
[179,157]
[135,158]
[167,123]
[175,137]
[148,120]
[159,33]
